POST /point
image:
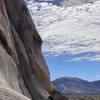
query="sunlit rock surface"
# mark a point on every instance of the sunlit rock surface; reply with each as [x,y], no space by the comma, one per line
[22,66]
[24,74]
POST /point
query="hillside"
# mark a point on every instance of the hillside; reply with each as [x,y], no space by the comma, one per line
[70,85]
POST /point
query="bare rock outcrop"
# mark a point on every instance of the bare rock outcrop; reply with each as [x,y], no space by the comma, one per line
[58,96]
[24,75]
[22,66]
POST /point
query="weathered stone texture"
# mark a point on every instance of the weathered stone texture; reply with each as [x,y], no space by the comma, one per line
[23,71]
[57,95]
[22,66]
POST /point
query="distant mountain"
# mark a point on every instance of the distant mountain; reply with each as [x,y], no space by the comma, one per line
[70,85]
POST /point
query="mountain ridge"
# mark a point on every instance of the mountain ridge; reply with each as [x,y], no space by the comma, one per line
[70,85]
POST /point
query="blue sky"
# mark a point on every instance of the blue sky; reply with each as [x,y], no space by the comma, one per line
[71,44]
[59,66]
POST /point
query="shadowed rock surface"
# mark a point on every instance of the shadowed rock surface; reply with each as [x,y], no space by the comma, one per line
[24,75]
[58,96]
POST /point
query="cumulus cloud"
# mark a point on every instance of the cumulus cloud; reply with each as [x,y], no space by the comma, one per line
[72,31]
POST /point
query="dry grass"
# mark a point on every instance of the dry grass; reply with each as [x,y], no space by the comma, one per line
[83,97]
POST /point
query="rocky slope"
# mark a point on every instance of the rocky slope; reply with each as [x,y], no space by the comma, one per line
[70,85]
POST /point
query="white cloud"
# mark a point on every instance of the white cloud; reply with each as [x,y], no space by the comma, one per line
[97,77]
[86,57]
[73,31]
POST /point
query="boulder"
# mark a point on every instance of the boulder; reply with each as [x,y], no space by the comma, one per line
[57,95]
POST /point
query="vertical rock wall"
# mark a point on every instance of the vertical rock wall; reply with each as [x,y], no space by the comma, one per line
[22,66]
[24,74]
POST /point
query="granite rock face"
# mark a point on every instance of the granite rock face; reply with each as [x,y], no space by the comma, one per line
[22,66]
[24,74]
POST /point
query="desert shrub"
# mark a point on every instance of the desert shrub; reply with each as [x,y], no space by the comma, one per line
[92,99]
[82,99]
